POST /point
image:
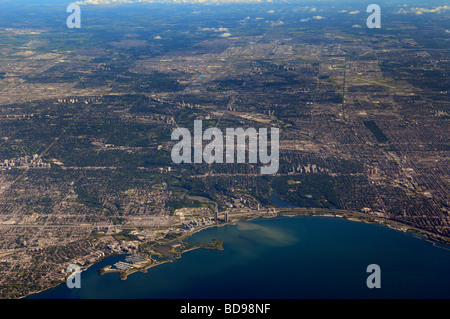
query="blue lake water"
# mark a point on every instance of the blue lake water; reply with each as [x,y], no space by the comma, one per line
[286,257]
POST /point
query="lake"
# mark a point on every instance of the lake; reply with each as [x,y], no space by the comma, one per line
[284,257]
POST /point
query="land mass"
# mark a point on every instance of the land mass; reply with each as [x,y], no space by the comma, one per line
[86,117]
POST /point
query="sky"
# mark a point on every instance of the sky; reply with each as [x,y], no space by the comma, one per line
[415,7]
[429,5]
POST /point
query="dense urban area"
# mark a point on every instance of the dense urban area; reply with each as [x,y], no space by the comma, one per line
[86,117]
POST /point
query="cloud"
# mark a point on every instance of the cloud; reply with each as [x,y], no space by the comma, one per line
[103,2]
[305,20]
[435,10]
[157,37]
[318,17]
[116,2]
[214,29]
[274,24]
[224,31]
[354,12]
[419,11]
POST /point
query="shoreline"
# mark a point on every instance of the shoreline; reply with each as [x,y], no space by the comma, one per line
[124,274]
[355,217]
[82,269]
[369,219]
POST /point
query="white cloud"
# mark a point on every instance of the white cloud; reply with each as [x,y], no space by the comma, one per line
[437,9]
[214,29]
[274,24]
[354,12]
[225,35]
[116,2]
[419,11]
[318,17]
[157,37]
